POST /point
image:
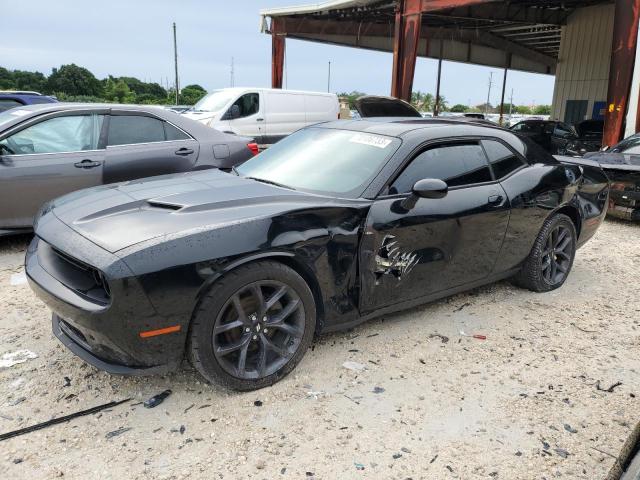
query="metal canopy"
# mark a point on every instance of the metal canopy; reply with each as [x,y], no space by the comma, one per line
[519,34]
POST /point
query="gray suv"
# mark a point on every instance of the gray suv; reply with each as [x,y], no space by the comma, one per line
[49,150]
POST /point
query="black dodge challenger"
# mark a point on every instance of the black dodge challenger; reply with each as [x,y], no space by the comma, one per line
[334,225]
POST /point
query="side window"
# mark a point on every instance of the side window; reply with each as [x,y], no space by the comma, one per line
[502,160]
[131,129]
[518,127]
[70,133]
[249,104]
[457,165]
[173,133]
[7,103]
[562,130]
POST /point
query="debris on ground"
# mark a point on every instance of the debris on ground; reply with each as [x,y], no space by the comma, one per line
[157,399]
[257,403]
[561,452]
[569,428]
[315,395]
[354,366]
[476,336]
[117,432]
[66,418]
[443,338]
[359,466]
[18,279]
[608,390]
[378,390]
[14,358]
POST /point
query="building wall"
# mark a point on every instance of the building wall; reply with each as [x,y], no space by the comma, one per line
[585,54]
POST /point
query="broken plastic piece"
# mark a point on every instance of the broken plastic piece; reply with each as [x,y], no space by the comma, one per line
[14,358]
[55,421]
[157,399]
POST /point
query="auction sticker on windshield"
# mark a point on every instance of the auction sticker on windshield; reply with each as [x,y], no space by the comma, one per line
[371,140]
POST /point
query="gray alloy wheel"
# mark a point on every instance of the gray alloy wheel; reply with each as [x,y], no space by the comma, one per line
[253,326]
[549,263]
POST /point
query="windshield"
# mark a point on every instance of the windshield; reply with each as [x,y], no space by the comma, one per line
[337,162]
[214,101]
[623,146]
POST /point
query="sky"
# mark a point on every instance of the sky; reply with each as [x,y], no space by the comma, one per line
[134,38]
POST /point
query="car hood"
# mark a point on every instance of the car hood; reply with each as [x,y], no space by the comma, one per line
[616,161]
[121,215]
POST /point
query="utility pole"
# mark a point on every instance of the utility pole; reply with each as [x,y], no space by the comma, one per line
[510,105]
[232,73]
[329,79]
[486,107]
[175,60]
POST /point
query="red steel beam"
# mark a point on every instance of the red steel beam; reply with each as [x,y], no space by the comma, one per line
[405,47]
[435,5]
[625,40]
[278,47]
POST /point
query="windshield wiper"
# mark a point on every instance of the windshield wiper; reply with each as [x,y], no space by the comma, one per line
[233,170]
[270,182]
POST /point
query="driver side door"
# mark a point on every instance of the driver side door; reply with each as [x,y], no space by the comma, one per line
[439,244]
[46,159]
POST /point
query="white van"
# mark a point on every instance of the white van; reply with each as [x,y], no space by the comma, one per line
[265,114]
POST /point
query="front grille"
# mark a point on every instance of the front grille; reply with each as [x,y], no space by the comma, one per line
[74,274]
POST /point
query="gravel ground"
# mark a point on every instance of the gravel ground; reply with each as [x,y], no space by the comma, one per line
[522,404]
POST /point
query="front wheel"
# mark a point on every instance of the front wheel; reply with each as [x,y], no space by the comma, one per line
[253,326]
[549,263]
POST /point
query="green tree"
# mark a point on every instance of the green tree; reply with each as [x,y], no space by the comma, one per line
[542,110]
[443,106]
[422,101]
[459,108]
[34,81]
[73,80]
[118,91]
[523,110]
[190,94]
[6,79]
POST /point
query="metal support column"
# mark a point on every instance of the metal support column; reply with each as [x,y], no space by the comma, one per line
[436,104]
[277,55]
[405,47]
[625,40]
[504,88]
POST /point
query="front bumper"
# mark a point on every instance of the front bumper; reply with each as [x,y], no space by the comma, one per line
[75,342]
[104,334]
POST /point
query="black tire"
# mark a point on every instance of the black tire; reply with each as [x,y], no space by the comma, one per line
[549,263]
[263,344]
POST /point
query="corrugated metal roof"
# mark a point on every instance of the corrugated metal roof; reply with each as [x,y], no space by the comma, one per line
[317,7]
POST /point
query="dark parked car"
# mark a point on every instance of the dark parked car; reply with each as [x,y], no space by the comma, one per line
[14,98]
[621,163]
[334,225]
[551,135]
[589,138]
[53,149]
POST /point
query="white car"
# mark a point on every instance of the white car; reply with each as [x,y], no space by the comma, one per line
[265,114]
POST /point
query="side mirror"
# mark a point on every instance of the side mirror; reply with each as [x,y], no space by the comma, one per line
[430,188]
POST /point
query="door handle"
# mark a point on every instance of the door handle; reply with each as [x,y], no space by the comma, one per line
[259,119]
[495,200]
[184,151]
[86,163]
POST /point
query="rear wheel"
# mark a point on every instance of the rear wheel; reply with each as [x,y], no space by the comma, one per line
[253,327]
[551,258]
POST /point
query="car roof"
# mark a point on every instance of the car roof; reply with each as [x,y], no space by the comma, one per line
[398,127]
[193,127]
